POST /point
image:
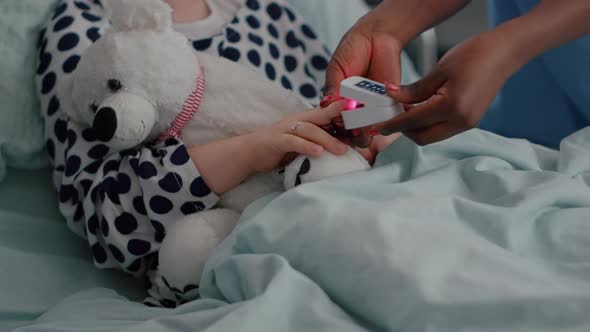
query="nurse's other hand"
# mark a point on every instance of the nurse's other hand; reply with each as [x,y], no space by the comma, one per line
[365,50]
[455,95]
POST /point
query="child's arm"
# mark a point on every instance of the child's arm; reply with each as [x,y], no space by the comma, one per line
[224,164]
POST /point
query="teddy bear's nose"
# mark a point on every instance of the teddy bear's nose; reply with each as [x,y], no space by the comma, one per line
[105,124]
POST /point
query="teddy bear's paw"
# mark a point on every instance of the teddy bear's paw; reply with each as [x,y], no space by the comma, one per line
[253,188]
[309,169]
[187,246]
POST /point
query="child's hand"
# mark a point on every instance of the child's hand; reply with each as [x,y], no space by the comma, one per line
[274,146]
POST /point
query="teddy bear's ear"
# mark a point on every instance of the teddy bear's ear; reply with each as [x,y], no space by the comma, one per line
[129,15]
[65,95]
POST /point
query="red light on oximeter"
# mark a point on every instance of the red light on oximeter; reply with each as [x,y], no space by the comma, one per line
[351,104]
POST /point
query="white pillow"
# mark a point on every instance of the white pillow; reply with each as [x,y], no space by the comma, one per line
[21,129]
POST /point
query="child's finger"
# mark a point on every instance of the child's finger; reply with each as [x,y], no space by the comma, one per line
[291,143]
[317,135]
[323,116]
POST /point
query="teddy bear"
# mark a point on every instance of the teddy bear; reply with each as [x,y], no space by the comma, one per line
[142,82]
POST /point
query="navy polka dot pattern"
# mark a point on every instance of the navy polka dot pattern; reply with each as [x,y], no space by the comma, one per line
[44,62]
[308,32]
[231,53]
[100,255]
[123,202]
[253,4]
[253,21]
[104,227]
[171,183]
[71,63]
[86,184]
[254,57]
[290,14]
[272,30]
[123,183]
[160,230]
[308,90]
[68,41]
[60,130]
[161,205]
[98,151]
[292,40]
[60,10]
[270,72]
[202,45]
[139,247]
[71,138]
[73,165]
[51,149]
[199,188]
[139,205]
[255,39]
[81,5]
[48,82]
[274,51]
[93,34]
[63,23]
[319,62]
[117,254]
[192,207]
[232,35]
[286,83]
[90,17]
[274,11]
[92,224]
[290,63]
[110,166]
[126,223]
[147,170]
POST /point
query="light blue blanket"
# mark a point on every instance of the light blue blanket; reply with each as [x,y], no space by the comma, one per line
[479,233]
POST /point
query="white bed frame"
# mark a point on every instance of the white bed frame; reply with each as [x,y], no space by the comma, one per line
[426,56]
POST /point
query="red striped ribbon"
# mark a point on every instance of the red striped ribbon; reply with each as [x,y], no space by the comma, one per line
[189,109]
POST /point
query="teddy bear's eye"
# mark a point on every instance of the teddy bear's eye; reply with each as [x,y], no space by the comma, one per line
[114,85]
[94,108]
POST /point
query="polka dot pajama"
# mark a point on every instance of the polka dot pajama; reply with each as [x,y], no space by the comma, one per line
[123,202]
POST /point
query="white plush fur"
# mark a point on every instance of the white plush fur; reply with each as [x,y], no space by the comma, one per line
[158,70]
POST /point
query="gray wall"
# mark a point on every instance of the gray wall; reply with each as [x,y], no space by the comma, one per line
[465,24]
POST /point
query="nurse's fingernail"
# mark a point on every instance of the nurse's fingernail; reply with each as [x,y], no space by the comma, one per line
[373,132]
[325,101]
[356,132]
[392,86]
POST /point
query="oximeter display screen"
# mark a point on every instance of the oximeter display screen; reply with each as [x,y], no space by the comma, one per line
[370,86]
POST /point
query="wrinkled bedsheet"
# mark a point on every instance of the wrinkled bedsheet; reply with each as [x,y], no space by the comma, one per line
[478,233]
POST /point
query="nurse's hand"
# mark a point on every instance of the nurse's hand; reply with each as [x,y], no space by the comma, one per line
[368,49]
[455,95]
[372,47]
